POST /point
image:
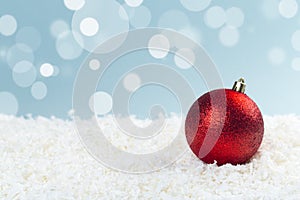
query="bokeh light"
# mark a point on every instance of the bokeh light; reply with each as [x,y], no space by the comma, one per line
[288,8]
[58,27]
[46,70]
[39,90]
[195,5]
[3,54]
[229,36]
[159,46]
[295,40]
[101,103]
[94,64]
[24,73]
[8,25]
[235,17]
[67,47]
[296,64]
[74,4]
[276,56]
[51,45]
[8,103]
[133,3]
[107,15]
[132,82]
[29,36]
[17,53]
[270,9]
[89,26]
[141,17]
[215,17]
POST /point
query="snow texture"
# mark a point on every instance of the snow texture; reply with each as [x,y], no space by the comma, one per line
[44,159]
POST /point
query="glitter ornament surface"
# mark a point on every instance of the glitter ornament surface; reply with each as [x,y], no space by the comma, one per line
[242,127]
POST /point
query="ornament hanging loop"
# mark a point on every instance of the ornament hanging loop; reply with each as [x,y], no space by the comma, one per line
[239,86]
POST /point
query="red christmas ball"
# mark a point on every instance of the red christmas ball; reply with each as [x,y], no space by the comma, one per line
[229,131]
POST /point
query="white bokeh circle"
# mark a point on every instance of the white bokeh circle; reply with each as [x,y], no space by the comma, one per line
[134,3]
[195,5]
[3,53]
[132,82]
[58,27]
[94,64]
[107,15]
[74,4]
[269,9]
[235,17]
[39,90]
[89,26]
[24,74]
[215,17]
[8,103]
[295,40]
[288,8]
[67,47]
[229,36]
[17,53]
[46,70]
[159,46]
[101,103]
[29,36]
[276,56]
[187,53]
[141,17]
[296,64]
[8,25]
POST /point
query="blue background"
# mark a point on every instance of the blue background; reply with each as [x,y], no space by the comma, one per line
[274,86]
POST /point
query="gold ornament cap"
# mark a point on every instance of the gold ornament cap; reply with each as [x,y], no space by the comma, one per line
[239,86]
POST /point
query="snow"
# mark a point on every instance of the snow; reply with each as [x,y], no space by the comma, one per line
[44,159]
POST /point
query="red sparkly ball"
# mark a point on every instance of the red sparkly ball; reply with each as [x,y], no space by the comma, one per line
[228,129]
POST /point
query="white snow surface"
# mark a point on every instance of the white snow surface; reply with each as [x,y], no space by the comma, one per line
[44,159]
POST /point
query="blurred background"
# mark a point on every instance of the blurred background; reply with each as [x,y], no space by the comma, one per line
[44,43]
